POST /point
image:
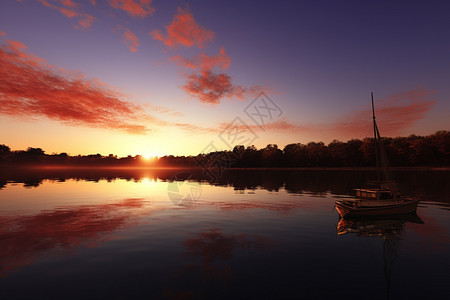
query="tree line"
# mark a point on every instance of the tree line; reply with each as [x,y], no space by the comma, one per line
[413,150]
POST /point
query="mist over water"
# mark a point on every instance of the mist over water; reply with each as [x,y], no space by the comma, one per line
[169,234]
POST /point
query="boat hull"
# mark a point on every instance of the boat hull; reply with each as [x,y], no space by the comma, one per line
[350,209]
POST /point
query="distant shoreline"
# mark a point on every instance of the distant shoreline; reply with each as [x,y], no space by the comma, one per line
[43,167]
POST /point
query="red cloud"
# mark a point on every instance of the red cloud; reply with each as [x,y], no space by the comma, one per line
[31,88]
[394,114]
[205,62]
[203,83]
[208,86]
[2,33]
[279,125]
[194,129]
[69,3]
[67,8]
[130,40]
[164,110]
[135,8]
[185,31]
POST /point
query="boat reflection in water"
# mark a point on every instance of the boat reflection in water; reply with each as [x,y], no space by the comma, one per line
[389,228]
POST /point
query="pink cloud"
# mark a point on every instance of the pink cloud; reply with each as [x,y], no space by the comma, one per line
[278,125]
[69,3]
[85,22]
[67,12]
[130,40]
[163,110]
[2,33]
[205,83]
[30,88]
[395,113]
[68,8]
[185,31]
[135,8]
[208,85]
[194,129]
[204,62]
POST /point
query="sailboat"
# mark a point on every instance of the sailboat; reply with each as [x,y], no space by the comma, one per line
[382,196]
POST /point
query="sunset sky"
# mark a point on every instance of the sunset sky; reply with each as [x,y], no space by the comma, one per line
[180,77]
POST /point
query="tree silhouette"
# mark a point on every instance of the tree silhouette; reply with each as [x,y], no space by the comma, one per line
[431,150]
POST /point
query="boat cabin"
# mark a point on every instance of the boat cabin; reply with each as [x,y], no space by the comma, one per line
[375,194]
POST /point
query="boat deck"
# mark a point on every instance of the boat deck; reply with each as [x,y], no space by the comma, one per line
[365,207]
[358,202]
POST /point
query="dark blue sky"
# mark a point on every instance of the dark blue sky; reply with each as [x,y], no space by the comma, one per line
[318,60]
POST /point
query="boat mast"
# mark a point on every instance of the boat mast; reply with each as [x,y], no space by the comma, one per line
[376,135]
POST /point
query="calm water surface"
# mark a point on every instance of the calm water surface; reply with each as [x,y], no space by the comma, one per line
[123,234]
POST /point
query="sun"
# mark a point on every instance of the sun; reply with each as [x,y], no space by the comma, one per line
[148,156]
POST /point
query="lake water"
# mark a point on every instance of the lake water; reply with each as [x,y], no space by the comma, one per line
[162,234]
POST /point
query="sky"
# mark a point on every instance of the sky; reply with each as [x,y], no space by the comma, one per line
[154,78]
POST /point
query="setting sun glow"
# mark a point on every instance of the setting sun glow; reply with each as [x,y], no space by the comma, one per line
[148,156]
